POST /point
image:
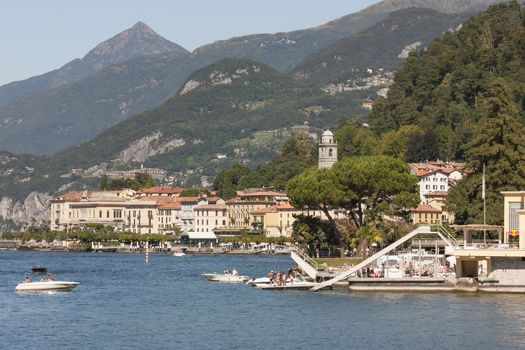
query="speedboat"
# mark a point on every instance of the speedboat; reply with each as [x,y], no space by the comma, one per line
[46,286]
[225,277]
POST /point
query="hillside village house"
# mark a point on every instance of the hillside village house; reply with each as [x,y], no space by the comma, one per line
[434,181]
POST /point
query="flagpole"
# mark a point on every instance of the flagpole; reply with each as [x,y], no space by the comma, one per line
[483,194]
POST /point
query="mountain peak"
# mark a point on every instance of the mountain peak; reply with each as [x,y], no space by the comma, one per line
[136,41]
[141,26]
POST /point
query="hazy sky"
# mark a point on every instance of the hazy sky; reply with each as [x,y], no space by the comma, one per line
[38,36]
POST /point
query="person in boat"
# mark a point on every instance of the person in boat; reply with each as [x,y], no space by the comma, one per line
[234,272]
[27,280]
[50,277]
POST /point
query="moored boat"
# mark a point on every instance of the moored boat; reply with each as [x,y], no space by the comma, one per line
[226,277]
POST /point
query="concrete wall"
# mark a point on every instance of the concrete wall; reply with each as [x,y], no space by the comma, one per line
[508,270]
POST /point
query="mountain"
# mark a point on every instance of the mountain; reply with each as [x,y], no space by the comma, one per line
[448,88]
[444,6]
[52,120]
[384,45]
[136,41]
[49,120]
[236,108]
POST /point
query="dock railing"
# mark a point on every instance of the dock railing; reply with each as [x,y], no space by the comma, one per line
[306,258]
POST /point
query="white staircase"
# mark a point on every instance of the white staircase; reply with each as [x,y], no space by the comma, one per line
[307,264]
[345,274]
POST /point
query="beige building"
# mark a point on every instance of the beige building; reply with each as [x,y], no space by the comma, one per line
[426,214]
[278,220]
[122,210]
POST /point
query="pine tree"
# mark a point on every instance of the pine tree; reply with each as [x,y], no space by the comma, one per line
[499,144]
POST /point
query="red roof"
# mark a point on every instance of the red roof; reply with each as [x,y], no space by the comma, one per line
[425,208]
[285,206]
[161,190]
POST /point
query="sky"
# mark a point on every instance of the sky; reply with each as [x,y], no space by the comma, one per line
[38,36]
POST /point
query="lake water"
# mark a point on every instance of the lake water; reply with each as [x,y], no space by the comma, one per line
[123,303]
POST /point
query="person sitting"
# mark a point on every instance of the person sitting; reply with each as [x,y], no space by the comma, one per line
[234,272]
[27,280]
[50,277]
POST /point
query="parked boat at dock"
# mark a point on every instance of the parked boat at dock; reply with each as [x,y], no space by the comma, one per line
[226,277]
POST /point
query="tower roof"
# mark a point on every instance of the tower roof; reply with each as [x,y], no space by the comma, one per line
[328,133]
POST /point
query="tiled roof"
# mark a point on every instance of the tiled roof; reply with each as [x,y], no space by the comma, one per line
[285,206]
[425,208]
[161,190]
[211,207]
[437,194]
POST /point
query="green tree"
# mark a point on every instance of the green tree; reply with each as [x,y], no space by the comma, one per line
[312,233]
[228,180]
[368,188]
[497,143]
[353,139]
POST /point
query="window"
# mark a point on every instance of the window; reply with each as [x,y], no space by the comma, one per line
[514,223]
[99,213]
[442,187]
[330,152]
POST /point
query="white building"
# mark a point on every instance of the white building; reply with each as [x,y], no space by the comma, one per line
[210,216]
[432,181]
[327,150]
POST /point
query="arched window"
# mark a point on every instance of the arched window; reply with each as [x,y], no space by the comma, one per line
[330,152]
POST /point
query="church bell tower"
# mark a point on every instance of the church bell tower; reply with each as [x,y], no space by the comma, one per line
[327,150]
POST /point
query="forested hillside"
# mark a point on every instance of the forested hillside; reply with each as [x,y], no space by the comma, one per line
[466,93]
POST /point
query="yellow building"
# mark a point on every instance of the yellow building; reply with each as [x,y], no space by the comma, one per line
[278,220]
[426,214]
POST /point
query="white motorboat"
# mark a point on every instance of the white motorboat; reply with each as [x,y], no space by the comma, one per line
[301,285]
[46,286]
[299,282]
[179,254]
[226,277]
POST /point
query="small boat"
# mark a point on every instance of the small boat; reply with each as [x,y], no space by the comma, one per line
[48,285]
[39,269]
[179,254]
[227,277]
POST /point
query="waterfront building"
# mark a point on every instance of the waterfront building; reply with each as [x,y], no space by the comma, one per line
[76,209]
[496,255]
[209,217]
[240,208]
[327,150]
[154,210]
[187,213]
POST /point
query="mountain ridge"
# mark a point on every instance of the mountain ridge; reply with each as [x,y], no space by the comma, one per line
[136,41]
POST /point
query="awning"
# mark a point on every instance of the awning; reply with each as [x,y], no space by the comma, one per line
[200,235]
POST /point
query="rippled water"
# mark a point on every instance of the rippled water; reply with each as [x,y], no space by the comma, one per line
[123,303]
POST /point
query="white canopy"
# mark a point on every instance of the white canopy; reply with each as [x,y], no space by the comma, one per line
[201,235]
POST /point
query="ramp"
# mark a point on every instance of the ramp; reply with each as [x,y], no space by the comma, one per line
[345,274]
[307,264]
